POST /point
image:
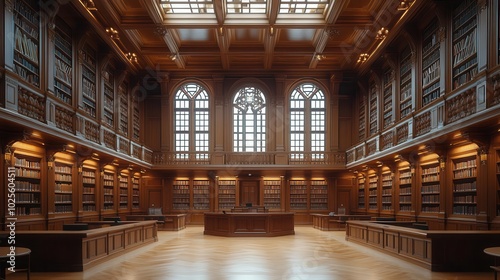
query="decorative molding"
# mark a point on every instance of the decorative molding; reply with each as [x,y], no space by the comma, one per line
[160,30]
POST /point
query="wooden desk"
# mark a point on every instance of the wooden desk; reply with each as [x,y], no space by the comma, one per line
[437,250]
[165,222]
[335,222]
[5,257]
[493,251]
[58,250]
[249,224]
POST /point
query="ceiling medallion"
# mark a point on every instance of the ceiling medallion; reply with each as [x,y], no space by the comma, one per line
[160,30]
[332,33]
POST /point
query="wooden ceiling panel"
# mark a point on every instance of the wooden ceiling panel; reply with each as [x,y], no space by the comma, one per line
[218,41]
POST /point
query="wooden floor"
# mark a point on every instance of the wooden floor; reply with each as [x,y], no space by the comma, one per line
[309,254]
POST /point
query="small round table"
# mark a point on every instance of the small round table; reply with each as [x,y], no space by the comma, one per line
[495,252]
[18,252]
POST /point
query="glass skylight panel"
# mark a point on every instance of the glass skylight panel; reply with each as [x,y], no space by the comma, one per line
[303,6]
[187,6]
[246,6]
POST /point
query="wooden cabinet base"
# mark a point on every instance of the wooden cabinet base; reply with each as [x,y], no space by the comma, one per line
[249,224]
[165,222]
[58,250]
[437,250]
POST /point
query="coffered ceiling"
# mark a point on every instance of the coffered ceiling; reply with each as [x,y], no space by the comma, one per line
[246,35]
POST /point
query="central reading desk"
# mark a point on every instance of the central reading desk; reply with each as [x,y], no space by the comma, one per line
[249,223]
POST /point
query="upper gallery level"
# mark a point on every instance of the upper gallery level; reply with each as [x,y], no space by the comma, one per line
[80,76]
[434,83]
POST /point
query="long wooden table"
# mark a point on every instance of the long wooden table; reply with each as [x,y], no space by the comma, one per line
[77,250]
[164,221]
[437,250]
[335,222]
[249,224]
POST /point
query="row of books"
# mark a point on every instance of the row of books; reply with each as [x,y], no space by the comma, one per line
[26,46]
[27,198]
[26,27]
[63,71]
[464,48]
[465,187]
[63,48]
[431,73]
[27,186]
[27,12]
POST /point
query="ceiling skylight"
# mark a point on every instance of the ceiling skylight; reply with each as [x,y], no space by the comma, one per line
[303,6]
[187,6]
[246,6]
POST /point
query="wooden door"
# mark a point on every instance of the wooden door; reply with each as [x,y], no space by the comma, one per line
[249,192]
[343,202]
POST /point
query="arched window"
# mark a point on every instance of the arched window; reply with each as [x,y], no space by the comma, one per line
[191,125]
[249,120]
[307,122]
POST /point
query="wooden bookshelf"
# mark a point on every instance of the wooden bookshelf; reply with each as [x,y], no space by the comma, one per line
[498,181]
[319,195]
[388,116]
[431,63]
[361,193]
[298,195]
[109,98]
[63,61]
[372,192]
[108,187]
[123,191]
[373,109]
[136,119]
[464,42]
[123,109]
[430,189]
[135,192]
[405,191]
[362,119]
[180,195]
[387,182]
[89,190]
[272,194]
[63,188]
[226,194]
[464,186]
[201,195]
[28,185]
[89,80]
[405,83]
[27,41]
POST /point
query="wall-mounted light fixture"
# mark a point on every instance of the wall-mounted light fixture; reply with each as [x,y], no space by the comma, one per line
[404,5]
[382,34]
[363,57]
[442,163]
[8,155]
[113,33]
[132,57]
[89,5]
[483,155]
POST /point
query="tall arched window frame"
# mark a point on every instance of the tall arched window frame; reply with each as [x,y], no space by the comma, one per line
[307,122]
[191,122]
[249,120]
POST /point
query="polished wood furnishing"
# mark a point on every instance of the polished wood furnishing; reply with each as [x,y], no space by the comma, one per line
[249,209]
[309,254]
[249,224]
[79,250]
[335,222]
[164,221]
[18,253]
[437,250]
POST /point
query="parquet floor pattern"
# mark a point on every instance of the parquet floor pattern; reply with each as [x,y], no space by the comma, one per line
[310,254]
